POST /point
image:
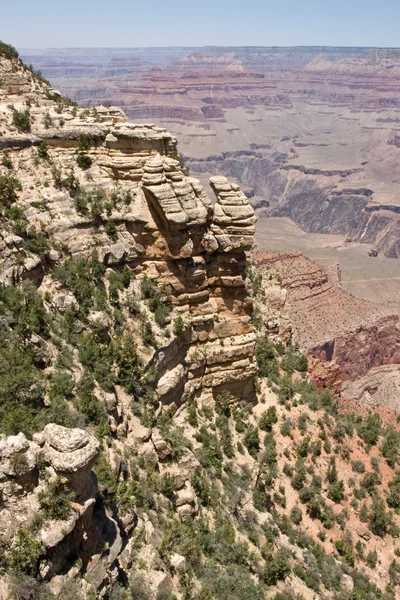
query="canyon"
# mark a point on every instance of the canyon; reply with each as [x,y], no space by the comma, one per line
[309,132]
[311,136]
[161,436]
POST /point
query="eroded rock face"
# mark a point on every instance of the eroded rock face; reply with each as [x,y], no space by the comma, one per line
[72,454]
[166,228]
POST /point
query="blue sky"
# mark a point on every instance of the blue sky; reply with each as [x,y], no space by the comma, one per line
[129,23]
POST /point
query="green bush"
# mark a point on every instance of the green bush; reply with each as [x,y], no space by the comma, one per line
[358,466]
[55,500]
[24,554]
[372,559]
[9,186]
[296,515]
[276,567]
[83,142]
[370,428]
[22,120]
[43,151]
[393,499]
[266,358]
[83,278]
[6,160]
[252,440]
[8,51]
[106,481]
[379,520]
[19,463]
[390,446]
[88,404]
[336,491]
[148,337]
[178,325]
[268,419]
[111,229]
[84,161]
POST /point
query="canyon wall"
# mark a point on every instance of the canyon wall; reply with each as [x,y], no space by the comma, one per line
[352,344]
[308,131]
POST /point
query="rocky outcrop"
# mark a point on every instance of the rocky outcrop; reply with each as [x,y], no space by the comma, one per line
[345,338]
[92,185]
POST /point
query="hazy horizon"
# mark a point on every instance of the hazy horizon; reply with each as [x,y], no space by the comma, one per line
[121,23]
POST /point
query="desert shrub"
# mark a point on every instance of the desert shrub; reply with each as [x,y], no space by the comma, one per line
[379,520]
[368,482]
[8,51]
[252,440]
[87,402]
[6,160]
[294,361]
[24,309]
[178,325]
[211,455]
[336,491]
[24,587]
[37,242]
[9,186]
[111,229]
[158,301]
[370,428]
[393,498]
[266,358]
[82,277]
[286,427]
[358,466]
[372,559]
[22,120]
[268,419]
[139,588]
[106,481]
[19,463]
[83,142]
[55,500]
[128,362]
[296,515]
[300,476]
[390,446]
[276,567]
[84,161]
[222,423]
[24,554]
[148,337]
[43,151]
[303,447]
[332,473]
[345,549]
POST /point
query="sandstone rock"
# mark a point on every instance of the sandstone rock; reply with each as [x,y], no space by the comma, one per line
[149,454]
[185,511]
[185,496]
[347,583]
[170,381]
[71,452]
[162,448]
[64,301]
[363,532]
[178,562]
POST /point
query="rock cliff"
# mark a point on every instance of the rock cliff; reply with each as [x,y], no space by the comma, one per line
[151,446]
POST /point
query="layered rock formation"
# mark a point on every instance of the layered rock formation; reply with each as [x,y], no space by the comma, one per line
[347,339]
[308,130]
[91,187]
[169,231]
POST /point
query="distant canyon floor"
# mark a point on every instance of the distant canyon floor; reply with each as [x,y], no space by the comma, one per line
[375,279]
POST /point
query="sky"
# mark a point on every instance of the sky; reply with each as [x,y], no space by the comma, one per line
[129,23]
